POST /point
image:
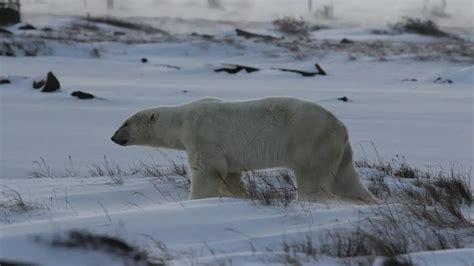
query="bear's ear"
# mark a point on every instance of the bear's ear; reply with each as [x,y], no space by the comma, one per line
[153,117]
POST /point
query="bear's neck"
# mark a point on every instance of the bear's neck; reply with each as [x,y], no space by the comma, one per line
[171,135]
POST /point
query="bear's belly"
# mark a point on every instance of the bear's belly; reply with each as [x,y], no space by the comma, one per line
[266,154]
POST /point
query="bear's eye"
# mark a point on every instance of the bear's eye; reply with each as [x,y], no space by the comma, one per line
[153,117]
[125,125]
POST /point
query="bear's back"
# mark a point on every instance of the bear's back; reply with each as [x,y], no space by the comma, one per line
[277,110]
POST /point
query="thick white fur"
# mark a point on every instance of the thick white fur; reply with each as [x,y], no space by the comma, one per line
[223,139]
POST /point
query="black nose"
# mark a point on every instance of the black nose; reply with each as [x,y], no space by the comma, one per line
[113,139]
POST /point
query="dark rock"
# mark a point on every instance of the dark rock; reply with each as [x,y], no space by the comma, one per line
[168,66]
[38,84]
[204,36]
[442,80]
[248,35]
[119,33]
[185,91]
[305,73]
[27,27]
[343,99]
[144,60]
[82,95]
[48,29]
[236,68]
[5,31]
[94,52]
[412,80]
[320,70]
[233,70]
[346,41]
[5,81]
[51,84]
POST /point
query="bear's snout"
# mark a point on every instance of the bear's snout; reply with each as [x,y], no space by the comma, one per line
[118,140]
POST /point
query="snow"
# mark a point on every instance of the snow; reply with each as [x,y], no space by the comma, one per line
[430,124]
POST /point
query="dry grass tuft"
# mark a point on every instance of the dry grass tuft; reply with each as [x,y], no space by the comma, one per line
[455,185]
[412,218]
[396,167]
[419,26]
[292,26]
[42,169]
[434,206]
[129,254]
[110,169]
[378,186]
[11,200]
[271,188]
[123,23]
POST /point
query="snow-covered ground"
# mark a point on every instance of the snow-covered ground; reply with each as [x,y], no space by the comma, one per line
[395,105]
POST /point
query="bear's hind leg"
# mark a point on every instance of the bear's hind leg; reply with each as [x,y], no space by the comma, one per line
[313,184]
[347,182]
[315,166]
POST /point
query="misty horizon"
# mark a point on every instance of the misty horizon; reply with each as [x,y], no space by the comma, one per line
[456,13]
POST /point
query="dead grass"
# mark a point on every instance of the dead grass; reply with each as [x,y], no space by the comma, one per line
[292,26]
[270,188]
[116,247]
[378,186]
[434,206]
[435,198]
[110,169]
[164,174]
[176,173]
[123,23]
[456,185]
[12,200]
[83,26]
[387,232]
[403,170]
[425,217]
[150,169]
[419,26]
[396,167]
[42,169]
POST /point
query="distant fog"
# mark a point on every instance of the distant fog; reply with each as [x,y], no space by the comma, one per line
[457,13]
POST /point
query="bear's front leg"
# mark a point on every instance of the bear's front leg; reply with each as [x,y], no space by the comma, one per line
[204,184]
[233,186]
[208,175]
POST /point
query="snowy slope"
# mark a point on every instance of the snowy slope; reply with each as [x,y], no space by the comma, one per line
[61,138]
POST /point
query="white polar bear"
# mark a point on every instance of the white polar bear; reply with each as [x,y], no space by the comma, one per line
[223,139]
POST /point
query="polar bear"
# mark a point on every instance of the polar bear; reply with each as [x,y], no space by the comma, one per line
[223,139]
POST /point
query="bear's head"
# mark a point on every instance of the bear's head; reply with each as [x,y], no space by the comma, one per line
[139,129]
